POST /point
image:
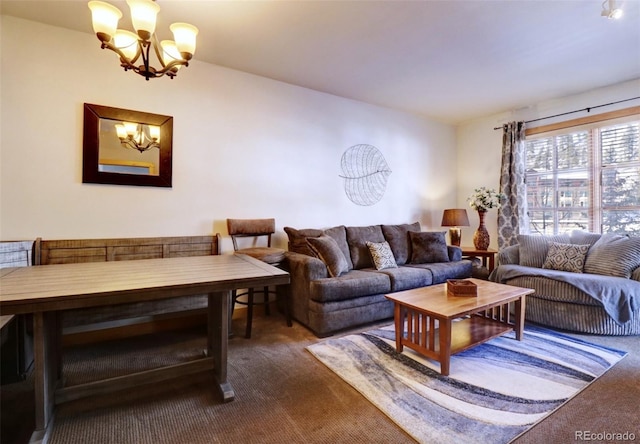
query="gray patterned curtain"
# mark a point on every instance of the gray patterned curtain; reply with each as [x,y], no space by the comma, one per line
[512,216]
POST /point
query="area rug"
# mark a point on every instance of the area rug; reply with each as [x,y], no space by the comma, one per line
[494,392]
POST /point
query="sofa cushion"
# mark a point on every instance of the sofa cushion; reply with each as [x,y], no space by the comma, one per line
[339,234]
[566,257]
[381,255]
[354,284]
[406,278]
[357,238]
[533,248]
[442,271]
[298,239]
[398,238]
[327,250]
[428,247]
[614,255]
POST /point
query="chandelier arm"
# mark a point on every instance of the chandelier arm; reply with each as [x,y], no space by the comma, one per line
[170,65]
[124,61]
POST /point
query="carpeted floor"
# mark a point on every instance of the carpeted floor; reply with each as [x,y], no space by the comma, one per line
[283,394]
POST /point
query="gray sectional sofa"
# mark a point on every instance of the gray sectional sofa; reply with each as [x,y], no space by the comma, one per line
[340,275]
[583,282]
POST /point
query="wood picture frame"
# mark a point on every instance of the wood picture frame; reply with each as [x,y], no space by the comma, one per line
[95,118]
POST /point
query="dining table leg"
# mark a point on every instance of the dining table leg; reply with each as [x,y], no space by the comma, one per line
[47,371]
[218,339]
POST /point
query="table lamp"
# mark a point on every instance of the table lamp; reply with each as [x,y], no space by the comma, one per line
[455,218]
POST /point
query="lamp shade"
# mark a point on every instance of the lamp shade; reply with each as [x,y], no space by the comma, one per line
[105,19]
[184,35]
[456,217]
[143,16]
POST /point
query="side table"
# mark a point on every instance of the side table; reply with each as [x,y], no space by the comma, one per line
[488,257]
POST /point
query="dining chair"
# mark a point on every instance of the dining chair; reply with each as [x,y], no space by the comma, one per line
[253,238]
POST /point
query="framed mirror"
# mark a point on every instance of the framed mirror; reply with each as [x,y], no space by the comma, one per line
[125,147]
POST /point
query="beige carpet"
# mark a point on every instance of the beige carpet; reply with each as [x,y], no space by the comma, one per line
[283,394]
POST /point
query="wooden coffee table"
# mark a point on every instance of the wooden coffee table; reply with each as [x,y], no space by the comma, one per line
[439,325]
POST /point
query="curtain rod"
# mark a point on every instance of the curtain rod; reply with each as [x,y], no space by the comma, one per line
[576,111]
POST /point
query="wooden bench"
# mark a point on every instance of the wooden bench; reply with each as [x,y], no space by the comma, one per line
[101,323]
[16,342]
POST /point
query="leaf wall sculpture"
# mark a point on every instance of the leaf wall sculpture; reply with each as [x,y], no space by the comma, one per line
[365,173]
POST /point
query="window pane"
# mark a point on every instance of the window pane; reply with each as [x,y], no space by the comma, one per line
[540,191]
[621,222]
[541,222]
[621,187]
[540,155]
[573,150]
[573,189]
[572,220]
[620,143]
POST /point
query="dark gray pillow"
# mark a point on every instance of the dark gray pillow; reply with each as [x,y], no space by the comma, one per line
[298,239]
[327,250]
[339,234]
[614,255]
[534,248]
[357,238]
[428,247]
[398,238]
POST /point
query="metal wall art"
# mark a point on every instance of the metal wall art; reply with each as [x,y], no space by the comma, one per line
[365,173]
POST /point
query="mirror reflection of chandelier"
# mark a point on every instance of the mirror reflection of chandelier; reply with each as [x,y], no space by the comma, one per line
[134,136]
[172,55]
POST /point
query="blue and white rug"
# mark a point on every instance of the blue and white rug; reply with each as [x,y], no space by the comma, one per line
[494,392]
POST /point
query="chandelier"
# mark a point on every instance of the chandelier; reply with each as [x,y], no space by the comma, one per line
[133,135]
[611,10]
[134,50]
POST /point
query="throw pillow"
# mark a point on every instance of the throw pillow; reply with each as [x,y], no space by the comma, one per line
[398,238]
[534,248]
[327,250]
[580,237]
[298,239]
[357,238]
[382,255]
[566,257]
[339,234]
[428,247]
[614,255]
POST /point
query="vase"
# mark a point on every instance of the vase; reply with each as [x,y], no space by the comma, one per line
[481,237]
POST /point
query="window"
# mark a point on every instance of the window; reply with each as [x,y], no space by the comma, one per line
[586,177]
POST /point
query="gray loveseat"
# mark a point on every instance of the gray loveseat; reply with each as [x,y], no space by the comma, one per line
[335,280]
[583,282]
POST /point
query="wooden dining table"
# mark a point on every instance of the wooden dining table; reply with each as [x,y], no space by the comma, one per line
[47,290]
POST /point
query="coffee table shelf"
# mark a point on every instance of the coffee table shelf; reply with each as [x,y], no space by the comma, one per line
[465,334]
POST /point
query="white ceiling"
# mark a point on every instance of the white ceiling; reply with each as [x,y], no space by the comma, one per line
[451,60]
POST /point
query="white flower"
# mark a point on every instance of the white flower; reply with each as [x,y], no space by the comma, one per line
[483,199]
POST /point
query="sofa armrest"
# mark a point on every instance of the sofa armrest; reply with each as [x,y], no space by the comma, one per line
[303,267]
[509,255]
[302,270]
[636,274]
[455,253]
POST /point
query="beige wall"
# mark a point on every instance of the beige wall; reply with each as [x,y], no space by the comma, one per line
[244,146]
[479,146]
